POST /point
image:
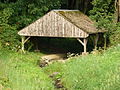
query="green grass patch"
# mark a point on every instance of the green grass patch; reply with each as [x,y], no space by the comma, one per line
[21,72]
[92,72]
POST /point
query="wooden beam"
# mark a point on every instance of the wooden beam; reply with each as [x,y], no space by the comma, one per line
[80,41]
[23,43]
[84,43]
[26,39]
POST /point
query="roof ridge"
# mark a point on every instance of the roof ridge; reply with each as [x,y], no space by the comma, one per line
[63,10]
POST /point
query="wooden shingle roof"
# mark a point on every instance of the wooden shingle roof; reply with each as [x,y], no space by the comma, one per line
[79,19]
[61,23]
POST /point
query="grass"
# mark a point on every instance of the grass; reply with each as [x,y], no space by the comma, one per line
[20,72]
[92,72]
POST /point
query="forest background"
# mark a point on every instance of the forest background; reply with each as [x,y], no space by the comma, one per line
[16,14]
[100,70]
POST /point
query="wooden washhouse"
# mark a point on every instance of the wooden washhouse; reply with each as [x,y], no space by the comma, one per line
[62,23]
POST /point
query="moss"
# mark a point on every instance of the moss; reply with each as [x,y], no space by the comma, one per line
[69,12]
[62,12]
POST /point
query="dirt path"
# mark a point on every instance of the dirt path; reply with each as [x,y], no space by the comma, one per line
[49,59]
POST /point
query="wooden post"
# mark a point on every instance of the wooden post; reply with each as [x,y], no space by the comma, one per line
[36,44]
[22,44]
[85,45]
[105,41]
[96,41]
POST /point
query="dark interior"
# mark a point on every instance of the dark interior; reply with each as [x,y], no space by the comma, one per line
[48,45]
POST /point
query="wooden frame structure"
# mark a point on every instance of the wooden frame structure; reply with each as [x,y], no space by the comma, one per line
[23,41]
[63,23]
[83,41]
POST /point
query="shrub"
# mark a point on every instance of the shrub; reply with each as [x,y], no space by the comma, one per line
[8,34]
[103,14]
[9,38]
[115,36]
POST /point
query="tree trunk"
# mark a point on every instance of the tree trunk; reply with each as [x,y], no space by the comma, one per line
[82,5]
[86,5]
[77,4]
[118,10]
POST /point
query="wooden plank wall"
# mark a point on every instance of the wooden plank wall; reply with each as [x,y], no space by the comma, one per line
[53,25]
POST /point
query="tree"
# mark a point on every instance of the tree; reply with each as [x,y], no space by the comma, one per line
[82,5]
[16,14]
[117,10]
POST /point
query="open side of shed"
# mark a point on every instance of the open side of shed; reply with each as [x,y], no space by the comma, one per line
[62,23]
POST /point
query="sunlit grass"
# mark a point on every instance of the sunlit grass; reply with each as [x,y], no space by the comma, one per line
[92,72]
[21,72]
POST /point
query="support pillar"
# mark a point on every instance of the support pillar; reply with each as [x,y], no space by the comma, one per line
[105,41]
[22,44]
[36,44]
[84,43]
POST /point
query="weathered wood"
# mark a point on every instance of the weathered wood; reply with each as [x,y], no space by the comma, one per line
[26,39]
[22,43]
[62,23]
[80,41]
[84,43]
[53,25]
[105,41]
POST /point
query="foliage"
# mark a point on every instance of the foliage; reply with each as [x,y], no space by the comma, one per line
[27,11]
[115,36]
[103,13]
[8,33]
[20,71]
[14,15]
[5,15]
[9,37]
